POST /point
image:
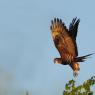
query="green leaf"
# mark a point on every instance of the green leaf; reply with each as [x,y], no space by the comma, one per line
[67,87]
[83,89]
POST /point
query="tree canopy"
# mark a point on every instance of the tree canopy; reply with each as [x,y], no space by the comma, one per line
[83,89]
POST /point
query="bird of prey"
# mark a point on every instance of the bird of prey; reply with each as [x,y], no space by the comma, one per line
[65,42]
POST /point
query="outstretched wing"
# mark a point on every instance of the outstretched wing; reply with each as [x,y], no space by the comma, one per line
[73,27]
[62,40]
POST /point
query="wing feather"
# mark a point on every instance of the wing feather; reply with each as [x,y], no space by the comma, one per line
[73,27]
[62,40]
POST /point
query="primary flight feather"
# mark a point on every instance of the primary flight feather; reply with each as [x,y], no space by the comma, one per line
[65,42]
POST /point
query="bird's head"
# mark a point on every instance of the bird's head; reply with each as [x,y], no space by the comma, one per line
[57,60]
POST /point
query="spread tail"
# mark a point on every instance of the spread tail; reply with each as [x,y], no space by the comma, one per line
[82,58]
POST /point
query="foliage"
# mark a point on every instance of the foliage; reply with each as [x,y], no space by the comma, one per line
[84,89]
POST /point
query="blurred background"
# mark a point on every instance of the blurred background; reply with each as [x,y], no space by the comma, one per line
[27,50]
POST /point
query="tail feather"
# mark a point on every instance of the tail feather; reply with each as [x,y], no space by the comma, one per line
[82,58]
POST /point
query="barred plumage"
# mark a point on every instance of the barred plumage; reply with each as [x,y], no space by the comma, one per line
[68,58]
[65,41]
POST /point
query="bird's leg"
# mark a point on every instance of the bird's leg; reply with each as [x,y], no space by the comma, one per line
[75,73]
[75,67]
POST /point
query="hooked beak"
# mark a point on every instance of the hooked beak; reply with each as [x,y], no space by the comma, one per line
[57,61]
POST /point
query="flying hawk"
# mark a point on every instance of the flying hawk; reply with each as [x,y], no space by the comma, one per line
[65,42]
